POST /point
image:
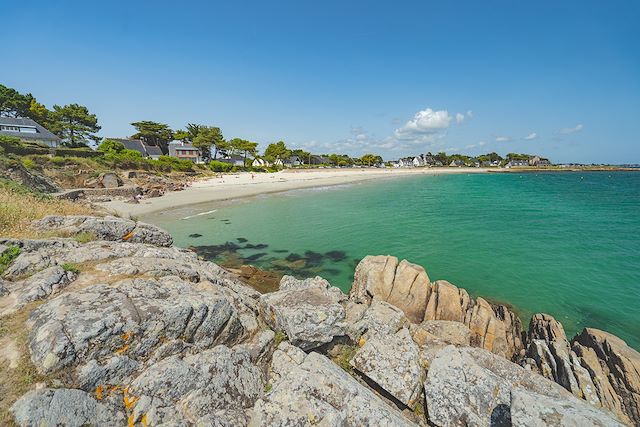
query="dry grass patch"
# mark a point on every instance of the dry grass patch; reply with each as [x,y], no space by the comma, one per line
[19,376]
[18,207]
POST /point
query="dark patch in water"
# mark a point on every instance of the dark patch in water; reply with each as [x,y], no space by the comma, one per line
[336,256]
[255,257]
[195,235]
[258,246]
[313,258]
[242,240]
[280,251]
[332,271]
[293,257]
[210,252]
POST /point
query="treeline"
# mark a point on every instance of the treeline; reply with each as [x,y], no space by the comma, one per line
[77,127]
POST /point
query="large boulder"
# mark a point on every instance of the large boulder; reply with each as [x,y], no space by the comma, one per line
[215,381]
[307,311]
[107,228]
[530,409]
[402,284]
[378,319]
[64,407]
[310,389]
[393,363]
[470,386]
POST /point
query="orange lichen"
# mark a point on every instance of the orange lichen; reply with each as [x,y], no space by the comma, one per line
[144,421]
[131,421]
[129,402]
[122,349]
[361,342]
[99,392]
[127,336]
[128,236]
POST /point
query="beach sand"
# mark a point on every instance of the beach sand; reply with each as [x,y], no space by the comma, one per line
[245,184]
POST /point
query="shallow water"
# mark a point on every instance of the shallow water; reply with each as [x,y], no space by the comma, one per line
[561,243]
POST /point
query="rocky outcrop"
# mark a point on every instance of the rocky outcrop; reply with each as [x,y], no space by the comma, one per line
[39,286]
[596,366]
[64,407]
[309,389]
[469,386]
[307,311]
[407,286]
[143,334]
[107,228]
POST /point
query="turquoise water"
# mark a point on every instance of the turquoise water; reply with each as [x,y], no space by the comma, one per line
[561,243]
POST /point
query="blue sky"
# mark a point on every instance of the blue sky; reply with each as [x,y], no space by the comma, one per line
[561,79]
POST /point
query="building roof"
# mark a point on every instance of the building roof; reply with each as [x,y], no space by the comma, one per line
[153,150]
[139,146]
[41,132]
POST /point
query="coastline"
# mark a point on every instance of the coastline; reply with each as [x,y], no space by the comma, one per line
[245,184]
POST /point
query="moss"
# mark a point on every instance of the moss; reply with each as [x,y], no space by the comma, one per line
[280,337]
[268,388]
[7,257]
[343,356]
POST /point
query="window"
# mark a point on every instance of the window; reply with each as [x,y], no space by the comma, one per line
[10,128]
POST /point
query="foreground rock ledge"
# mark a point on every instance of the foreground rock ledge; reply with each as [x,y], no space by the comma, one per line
[128,330]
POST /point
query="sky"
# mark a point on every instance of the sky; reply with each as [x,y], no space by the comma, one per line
[555,78]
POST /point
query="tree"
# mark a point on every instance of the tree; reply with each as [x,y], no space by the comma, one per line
[153,133]
[371,159]
[13,103]
[206,137]
[77,125]
[242,145]
[277,151]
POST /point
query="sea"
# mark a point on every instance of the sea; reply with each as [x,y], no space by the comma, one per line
[562,243]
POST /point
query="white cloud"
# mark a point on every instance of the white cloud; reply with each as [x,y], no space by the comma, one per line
[459,118]
[502,139]
[531,136]
[424,125]
[567,131]
[481,143]
[470,114]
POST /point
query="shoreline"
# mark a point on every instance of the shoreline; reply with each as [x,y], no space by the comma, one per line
[245,184]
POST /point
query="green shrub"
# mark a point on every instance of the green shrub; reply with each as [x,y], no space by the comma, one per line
[110,145]
[29,163]
[174,163]
[7,257]
[279,337]
[84,237]
[71,268]
[217,166]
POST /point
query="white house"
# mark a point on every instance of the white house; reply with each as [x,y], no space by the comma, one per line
[28,130]
[260,163]
[418,161]
[184,151]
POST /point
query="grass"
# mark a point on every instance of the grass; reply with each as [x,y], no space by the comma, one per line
[70,267]
[7,257]
[19,206]
[17,381]
[85,237]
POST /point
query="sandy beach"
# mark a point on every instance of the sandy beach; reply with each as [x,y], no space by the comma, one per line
[244,184]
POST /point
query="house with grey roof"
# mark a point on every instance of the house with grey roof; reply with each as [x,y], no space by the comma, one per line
[184,151]
[151,151]
[28,130]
